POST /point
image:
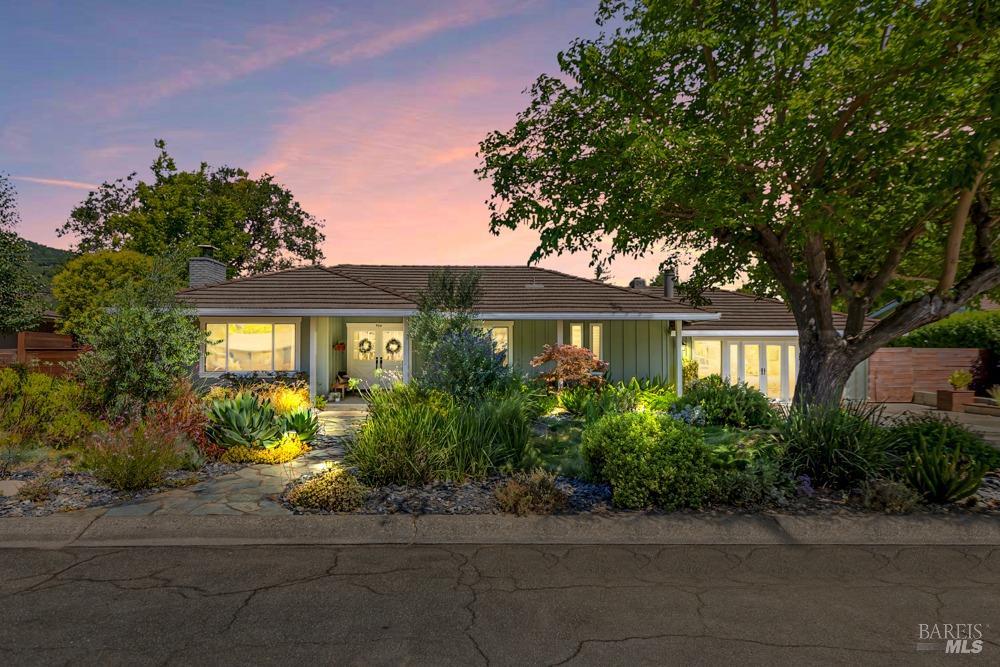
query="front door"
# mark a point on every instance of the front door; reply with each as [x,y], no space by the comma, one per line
[375,352]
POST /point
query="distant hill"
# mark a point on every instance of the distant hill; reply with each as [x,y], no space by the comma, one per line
[46,262]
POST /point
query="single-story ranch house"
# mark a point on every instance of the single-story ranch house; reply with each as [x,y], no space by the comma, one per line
[353,319]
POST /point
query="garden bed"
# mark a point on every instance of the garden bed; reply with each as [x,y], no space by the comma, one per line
[70,489]
[478,497]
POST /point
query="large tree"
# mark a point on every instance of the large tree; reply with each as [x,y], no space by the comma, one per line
[20,301]
[256,224]
[813,149]
[91,283]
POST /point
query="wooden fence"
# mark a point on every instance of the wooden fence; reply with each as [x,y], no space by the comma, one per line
[894,373]
[45,352]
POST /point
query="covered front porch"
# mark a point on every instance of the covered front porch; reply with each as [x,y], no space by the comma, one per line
[380,349]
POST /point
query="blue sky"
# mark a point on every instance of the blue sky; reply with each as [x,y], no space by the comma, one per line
[369,112]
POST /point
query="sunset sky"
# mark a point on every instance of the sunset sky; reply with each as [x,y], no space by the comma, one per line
[370,112]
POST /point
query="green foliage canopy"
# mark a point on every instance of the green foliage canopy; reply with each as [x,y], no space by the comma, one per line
[814,149]
[20,305]
[92,282]
[256,224]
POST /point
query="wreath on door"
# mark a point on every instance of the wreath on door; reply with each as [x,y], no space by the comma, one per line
[364,346]
[393,346]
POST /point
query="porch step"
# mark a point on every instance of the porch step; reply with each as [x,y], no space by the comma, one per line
[985,400]
[352,411]
[925,398]
[980,409]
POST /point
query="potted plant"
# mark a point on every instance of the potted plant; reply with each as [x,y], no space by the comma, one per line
[956,398]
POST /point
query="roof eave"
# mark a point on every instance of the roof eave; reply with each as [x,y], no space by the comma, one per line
[490,315]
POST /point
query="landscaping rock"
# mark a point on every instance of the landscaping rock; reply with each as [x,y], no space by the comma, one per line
[471,497]
[10,487]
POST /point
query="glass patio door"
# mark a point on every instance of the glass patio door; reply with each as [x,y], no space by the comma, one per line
[766,366]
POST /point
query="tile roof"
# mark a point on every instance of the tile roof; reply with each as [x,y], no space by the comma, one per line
[506,289]
[299,288]
[744,312]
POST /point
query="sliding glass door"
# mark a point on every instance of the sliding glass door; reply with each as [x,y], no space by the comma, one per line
[766,365]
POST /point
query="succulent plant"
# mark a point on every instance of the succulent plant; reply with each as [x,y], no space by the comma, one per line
[242,421]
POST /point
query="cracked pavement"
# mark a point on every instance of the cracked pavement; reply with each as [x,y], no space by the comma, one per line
[507,605]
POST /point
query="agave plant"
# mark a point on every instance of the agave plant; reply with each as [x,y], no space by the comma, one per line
[942,476]
[302,421]
[242,421]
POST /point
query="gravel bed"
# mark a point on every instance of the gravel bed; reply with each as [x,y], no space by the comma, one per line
[74,489]
[476,497]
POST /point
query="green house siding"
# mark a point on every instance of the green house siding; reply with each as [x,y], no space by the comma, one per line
[632,348]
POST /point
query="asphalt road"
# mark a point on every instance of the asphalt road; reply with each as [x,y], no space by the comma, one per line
[514,605]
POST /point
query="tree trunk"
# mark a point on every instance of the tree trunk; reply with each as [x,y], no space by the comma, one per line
[823,373]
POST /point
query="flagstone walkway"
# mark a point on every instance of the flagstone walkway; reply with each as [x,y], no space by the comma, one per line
[252,490]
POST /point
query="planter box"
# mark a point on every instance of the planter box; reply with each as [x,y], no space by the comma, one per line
[954,401]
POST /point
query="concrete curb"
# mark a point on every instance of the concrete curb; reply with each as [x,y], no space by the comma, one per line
[94,529]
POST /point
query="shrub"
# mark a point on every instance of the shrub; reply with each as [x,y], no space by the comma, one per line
[302,422]
[335,490]
[218,392]
[139,350]
[940,475]
[835,445]
[750,474]
[656,395]
[960,380]
[571,366]
[725,404]
[39,410]
[37,490]
[243,421]
[414,435]
[889,496]
[254,380]
[650,460]
[135,456]
[967,329]
[530,493]
[290,446]
[184,414]
[284,398]
[466,365]
[908,433]
[592,402]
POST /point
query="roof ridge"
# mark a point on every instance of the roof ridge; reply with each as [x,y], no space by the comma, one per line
[629,290]
[242,279]
[342,274]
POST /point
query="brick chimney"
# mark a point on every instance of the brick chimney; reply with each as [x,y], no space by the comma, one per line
[669,276]
[205,269]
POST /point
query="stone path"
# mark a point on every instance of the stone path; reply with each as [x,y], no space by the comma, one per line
[251,490]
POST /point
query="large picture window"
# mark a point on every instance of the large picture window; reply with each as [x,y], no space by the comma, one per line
[236,347]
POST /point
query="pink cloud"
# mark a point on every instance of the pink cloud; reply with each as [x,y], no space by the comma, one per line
[219,62]
[57,182]
[389,167]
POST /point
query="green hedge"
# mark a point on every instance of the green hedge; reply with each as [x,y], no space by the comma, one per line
[975,328]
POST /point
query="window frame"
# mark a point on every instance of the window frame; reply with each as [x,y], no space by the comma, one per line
[489,325]
[583,332]
[590,331]
[203,323]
